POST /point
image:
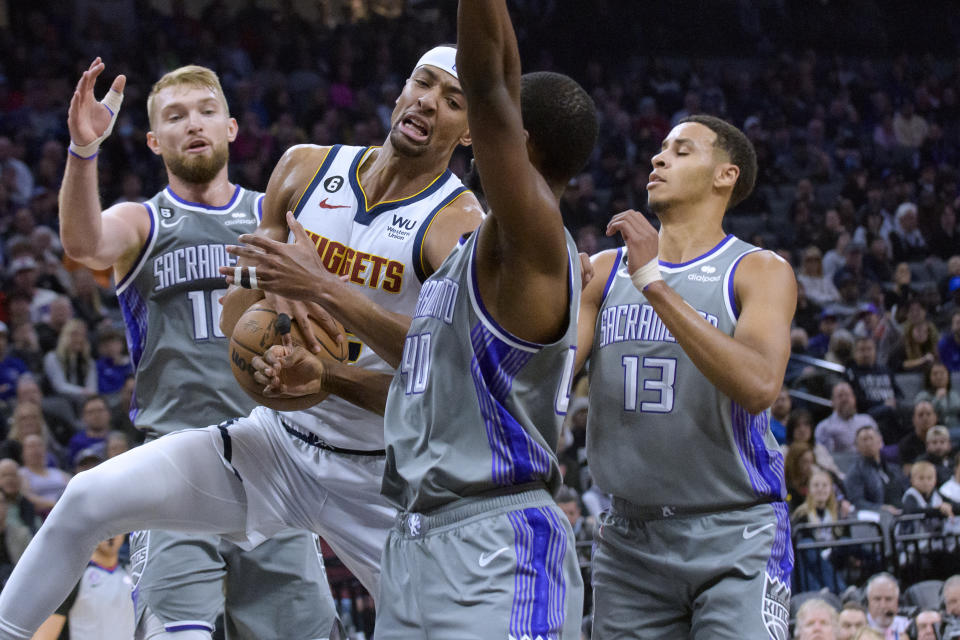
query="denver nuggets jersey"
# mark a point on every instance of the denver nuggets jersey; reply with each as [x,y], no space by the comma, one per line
[170,301]
[473,408]
[380,248]
[659,433]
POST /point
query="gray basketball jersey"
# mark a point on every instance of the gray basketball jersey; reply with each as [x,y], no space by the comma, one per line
[170,301]
[472,408]
[659,433]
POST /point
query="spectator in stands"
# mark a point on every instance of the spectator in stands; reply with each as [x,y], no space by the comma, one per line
[872,384]
[836,258]
[11,367]
[852,618]
[95,417]
[48,333]
[821,506]
[945,239]
[874,484]
[23,279]
[927,625]
[919,348]
[113,365]
[584,528]
[117,443]
[798,465]
[817,284]
[909,127]
[70,368]
[816,620]
[800,429]
[779,414]
[938,390]
[950,490]
[899,292]
[914,444]
[840,350]
[58,413]
[922,497]
[938,452]
[876,262]
[883,601]
[838,431]
[873,322]
[949,345]
[26,346]
[906,241]
[11,490]
[42,484]
[951,596]
[27,420]
[14,538]
[820,343]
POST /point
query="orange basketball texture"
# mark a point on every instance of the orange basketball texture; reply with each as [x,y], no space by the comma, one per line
[254,333]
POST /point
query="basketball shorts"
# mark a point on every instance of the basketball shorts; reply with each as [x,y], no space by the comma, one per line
[293,481]
[717,576]
[499,568]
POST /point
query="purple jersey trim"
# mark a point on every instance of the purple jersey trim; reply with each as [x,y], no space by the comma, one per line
[233,199]
[720,245]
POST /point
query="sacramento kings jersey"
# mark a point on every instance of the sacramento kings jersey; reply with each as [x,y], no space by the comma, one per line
[380,248]
[171,307]
[474,409]
[659,433]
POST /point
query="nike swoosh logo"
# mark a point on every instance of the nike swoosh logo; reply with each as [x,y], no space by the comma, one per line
[168,225]
[487,558]
[324,205]
[747,533]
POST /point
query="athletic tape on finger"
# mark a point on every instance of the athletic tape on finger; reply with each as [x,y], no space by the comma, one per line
[253,277]
[112,102]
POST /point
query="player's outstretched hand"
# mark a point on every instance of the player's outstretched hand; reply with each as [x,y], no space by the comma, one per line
[288,371]
[292,270]
[88,119]
[642,240]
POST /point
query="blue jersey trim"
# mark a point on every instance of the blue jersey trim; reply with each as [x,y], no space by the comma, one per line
[233,199]
[419,266]
[720,245]
[317,177]
[366,214]
[764,467]
[613,274]
[780,563]
[731,295]
[143,251]
[540,589]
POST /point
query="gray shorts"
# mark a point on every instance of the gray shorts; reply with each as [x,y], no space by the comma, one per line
[497,568]
[277,590]
[718,576]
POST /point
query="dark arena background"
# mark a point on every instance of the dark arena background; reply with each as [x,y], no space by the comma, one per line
[853,107]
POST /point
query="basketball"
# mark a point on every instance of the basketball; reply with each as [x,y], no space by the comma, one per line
[255,332]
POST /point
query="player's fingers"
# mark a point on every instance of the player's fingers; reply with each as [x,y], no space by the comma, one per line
[119,83]
[299,233]
[303,321]
[247,252]
[261,242]
[326,321]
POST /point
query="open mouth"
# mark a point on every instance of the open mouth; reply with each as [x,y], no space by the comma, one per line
[415,128]
[197,146]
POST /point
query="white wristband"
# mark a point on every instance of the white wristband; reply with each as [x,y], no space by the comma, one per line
[112,102]
[647,274]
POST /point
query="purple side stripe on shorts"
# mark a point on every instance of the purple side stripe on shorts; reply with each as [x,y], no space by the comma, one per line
[539,586]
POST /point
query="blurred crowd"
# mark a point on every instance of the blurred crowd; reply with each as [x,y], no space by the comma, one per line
[855,127]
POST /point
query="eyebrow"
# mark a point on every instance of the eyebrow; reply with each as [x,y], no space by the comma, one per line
[449,88]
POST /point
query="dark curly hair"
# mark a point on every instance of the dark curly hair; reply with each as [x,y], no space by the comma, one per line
[561,120]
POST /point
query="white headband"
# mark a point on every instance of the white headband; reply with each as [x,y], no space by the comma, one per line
[444,58]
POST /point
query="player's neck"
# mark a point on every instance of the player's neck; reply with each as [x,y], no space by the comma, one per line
[216,193]
[687,233]
[387,176]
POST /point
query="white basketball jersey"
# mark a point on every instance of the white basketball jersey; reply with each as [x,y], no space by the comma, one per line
[380,248]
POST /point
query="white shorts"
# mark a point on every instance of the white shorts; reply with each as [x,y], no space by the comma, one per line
[291,483]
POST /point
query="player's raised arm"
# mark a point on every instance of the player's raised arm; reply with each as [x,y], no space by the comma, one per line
[96,238]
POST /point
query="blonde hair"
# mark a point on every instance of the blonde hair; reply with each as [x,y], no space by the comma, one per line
[808,509]
[64,355]
[191,75]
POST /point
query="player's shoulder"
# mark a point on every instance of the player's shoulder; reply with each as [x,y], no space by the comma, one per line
[305,153]
[763,262]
